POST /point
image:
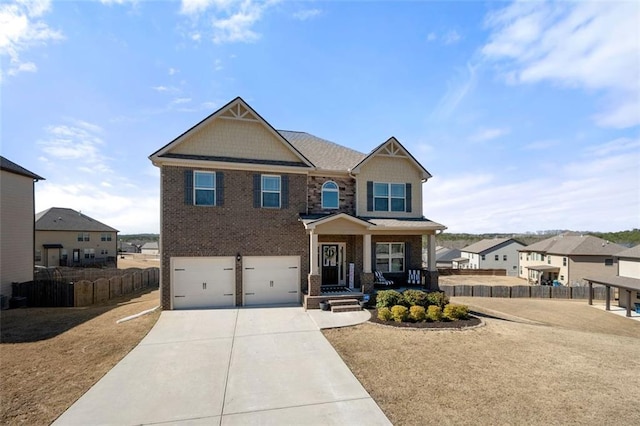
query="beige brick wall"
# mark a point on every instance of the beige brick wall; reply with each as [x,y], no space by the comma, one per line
[236,227]
[16,228]
[390,170]
[347,194]
[235,138]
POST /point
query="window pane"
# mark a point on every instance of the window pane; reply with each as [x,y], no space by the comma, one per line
[329,200]
[271,183]
[397,190]
[397,265]
[381,204]
[397,204]
[380,190]
[270,199]
[397,248]
[382,249]
[382,265]
[204,180]
[205,197]
[330,185]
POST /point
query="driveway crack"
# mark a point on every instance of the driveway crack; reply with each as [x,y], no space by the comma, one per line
[226,379]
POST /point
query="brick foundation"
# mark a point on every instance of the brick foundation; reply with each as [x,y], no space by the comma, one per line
[315,284]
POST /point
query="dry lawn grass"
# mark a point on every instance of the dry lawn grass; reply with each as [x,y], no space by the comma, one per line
[51,356]
[480,280]
[565,363]
[138,261]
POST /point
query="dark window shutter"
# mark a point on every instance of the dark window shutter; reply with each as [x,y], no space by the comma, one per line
[257,191]
[407,193]
[219,189]
[407,257]
[284,194]
[369,196]
[188,186]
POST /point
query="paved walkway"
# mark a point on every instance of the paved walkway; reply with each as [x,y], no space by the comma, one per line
[617,310]
[230,367]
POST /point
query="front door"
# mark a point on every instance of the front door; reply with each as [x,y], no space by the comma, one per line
[332,263]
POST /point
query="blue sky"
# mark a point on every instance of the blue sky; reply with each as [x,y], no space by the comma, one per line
[527,114]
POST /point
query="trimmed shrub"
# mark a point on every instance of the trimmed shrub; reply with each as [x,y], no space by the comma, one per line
[384,314]
[388,298]
[434,313]
[438,298]
[414,298]
[456,312]
[417,313]
[399,313]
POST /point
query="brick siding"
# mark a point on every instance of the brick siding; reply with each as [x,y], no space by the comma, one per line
[235,227]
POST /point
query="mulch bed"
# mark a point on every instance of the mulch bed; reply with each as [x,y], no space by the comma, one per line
[472,321]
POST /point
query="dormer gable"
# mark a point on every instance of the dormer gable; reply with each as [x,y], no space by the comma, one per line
[392,148]
[233,136]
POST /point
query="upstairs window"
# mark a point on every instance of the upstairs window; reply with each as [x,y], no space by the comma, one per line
[564,261]
[83,236]
[271,191]
[330,195]
[389,197]
[484,257]
[608,262]
[204,188]
[496,257]
[504,257]
[105,237]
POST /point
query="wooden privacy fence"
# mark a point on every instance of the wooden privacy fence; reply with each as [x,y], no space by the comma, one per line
[66,287]
[492,272]
[542,292]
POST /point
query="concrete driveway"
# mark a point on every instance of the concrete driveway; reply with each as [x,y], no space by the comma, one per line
[229,367]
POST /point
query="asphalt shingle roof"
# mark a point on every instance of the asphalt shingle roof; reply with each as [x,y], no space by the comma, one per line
[575,245]
[12,167]
[486,245]
[64,219]
[632,253]
[324,154]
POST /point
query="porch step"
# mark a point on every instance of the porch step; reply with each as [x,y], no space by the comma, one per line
[346,308]
[341,302]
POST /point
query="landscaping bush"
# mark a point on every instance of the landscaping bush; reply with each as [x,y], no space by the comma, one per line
[384,314]
[399,313]
[456,312]
[438,298]
[388,298]
[434,313]
[415,298]
[417,313]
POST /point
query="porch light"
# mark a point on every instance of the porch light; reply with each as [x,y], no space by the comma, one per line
[238,257]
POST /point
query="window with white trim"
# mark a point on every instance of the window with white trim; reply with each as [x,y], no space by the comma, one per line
[271,191]
[330,195]
[389,197]
[83,236]
[204,188]
[496,257]
[105,237]
[89,253]
[390,257]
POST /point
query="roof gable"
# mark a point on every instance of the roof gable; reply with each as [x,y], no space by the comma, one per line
[64,219]
[234,133]
[392,148]
[487,245]
[575,245]
[631,253]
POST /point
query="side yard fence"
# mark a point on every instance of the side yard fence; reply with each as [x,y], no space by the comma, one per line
[492,272]
[542,292]
[68,287]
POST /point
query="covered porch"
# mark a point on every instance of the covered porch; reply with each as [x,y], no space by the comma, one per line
[345,251]
[628,290]
[543,274]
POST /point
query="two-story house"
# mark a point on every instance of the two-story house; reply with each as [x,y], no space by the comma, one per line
[568,259]
[255,216]
[496,253]
[65,237]
[17,207]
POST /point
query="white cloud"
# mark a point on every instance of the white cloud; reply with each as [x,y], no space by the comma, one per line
[457,89]
[484,135]
[178,101]
[599,191]
[306,14]
[21,29]
[217,65]
[540,145]
[451,37]
[173,71]
[431,36]
[587,45]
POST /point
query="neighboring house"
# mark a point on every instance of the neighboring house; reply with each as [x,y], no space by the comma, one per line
[127,248]
[65,237]
[252,216]
[17,207]
[496,253]
[150,248]
[568,259]
[444,257]
[460,263]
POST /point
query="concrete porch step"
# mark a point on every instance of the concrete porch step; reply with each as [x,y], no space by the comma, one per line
[341,302]
[346,308]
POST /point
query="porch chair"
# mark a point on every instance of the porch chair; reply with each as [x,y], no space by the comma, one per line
[380,279]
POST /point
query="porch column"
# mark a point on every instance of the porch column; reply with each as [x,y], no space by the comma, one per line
[607,298]
[366,253]
[628,301]
[313,257]
[590,293]
[431,280]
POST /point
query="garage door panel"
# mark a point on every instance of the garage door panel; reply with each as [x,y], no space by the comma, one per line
[203,282]
[270,280]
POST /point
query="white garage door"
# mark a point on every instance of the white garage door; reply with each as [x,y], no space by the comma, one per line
[271,280]
[203,282]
